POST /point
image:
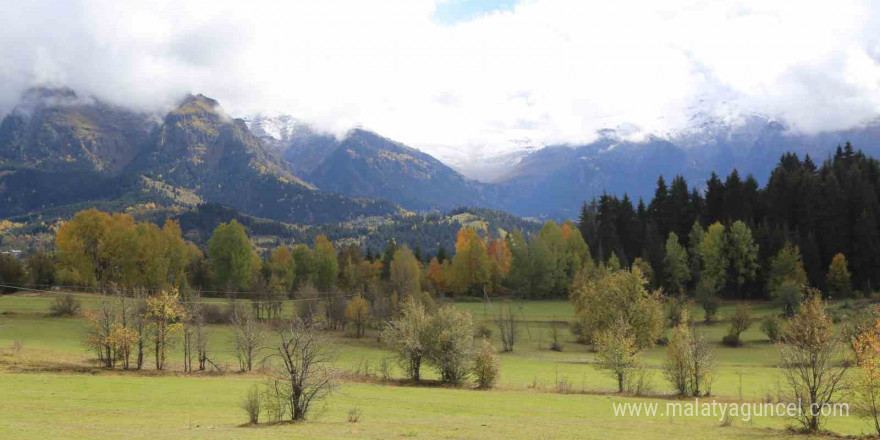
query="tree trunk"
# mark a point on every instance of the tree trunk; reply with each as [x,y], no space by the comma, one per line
[416,369]
[140,356]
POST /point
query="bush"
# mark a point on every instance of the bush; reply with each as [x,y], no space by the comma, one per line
[740,321]
[451,344]
[251,405]
[639,381]
[486,364]
[772,327]
[483,331]
[65,305]
[731,340]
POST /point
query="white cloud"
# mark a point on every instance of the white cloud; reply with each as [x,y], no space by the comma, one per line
[548,71]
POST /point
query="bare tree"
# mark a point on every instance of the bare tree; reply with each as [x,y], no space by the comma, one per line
[508,326]
[306,367]
[194,341]
[334,310]
[201,336]
[307,305]
[248,335]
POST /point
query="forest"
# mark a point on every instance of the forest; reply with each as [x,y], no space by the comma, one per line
[821,211]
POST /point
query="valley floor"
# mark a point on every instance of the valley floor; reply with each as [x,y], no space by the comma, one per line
[51,389]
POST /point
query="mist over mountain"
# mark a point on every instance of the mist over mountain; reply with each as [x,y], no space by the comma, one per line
[553,181]
[282,168]
[197,153]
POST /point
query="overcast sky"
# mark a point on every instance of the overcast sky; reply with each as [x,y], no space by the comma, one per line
[457,73]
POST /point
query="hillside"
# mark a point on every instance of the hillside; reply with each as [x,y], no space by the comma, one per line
[197,149]
[56,130]
[369,165]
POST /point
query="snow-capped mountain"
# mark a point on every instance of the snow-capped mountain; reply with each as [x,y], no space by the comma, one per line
[276,129]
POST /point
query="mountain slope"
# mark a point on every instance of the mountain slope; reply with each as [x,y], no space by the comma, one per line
[54,129]
[366,164]
[199,147]
[197,151]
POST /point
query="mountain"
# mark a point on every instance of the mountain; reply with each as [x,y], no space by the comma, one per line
[197,152]
[303,147]
[54,129]
[369,165]
[201,148]
[278,167]
[365,164]
[555,180]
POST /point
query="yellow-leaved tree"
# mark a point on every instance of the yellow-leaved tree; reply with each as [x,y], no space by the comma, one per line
[165,313]
[867,383]
[471,268]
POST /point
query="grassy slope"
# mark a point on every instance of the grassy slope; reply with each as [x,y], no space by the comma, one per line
[517,410]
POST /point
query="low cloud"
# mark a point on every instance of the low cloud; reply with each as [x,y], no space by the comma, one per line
[548,71]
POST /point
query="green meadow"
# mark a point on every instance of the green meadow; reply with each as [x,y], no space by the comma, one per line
[51,388]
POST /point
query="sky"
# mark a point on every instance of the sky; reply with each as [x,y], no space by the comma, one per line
[460,75]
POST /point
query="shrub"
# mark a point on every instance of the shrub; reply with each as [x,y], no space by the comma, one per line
[740,321]
[483,331]
[486,364]
[639,381]
[65,305]
[730,340]
[275,400]
[451,344]
[251,405]
[772,328]
[690,361]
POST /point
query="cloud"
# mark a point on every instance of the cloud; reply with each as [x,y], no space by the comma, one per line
[548,71]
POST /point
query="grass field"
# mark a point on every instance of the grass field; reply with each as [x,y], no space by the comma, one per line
[51,388]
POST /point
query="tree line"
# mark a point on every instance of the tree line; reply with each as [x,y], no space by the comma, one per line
[733,232]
